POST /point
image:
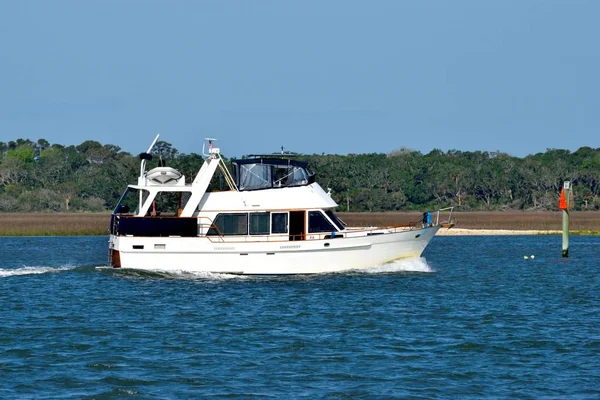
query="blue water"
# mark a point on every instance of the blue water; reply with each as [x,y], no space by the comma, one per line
[472,319]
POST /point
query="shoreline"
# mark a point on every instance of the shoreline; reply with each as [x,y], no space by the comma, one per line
[495,232]
[467,223]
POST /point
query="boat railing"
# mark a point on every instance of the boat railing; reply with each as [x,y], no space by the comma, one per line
[254,238]
[200,226]
[449,221]
[114,224]
[378,230]
[204,227]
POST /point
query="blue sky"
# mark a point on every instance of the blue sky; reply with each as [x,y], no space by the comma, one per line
[518,76]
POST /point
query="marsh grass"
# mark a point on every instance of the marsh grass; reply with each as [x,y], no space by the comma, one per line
[583,222]
[83,224]
[54,224]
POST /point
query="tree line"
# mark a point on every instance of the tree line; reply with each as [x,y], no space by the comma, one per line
[40,176]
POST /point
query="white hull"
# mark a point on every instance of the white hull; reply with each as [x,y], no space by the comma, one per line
[204,254]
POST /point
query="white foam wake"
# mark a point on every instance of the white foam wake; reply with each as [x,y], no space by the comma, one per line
[410,265]
[205,275]
[175,274]
[31,270]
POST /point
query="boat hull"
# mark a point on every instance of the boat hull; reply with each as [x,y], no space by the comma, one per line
[204,254]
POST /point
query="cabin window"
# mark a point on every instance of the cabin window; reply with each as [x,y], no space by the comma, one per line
[336,220]
[279,223]
[259,223]
[229,224]
[318,223]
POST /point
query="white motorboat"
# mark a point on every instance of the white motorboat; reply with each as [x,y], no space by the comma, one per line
[273,219]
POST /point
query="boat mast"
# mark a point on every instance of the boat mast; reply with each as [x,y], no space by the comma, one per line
[144,158]
[215,152]
[143,163]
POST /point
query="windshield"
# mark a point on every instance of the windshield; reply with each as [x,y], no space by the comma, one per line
[336,220]
[264,176]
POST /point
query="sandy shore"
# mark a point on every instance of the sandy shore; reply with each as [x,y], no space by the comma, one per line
[468,232]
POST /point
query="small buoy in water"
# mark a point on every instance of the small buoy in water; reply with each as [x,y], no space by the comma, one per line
[532,256]
[525,257]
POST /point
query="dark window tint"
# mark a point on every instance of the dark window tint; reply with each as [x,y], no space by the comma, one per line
[336,220]
[259,223]
[230,224]
[279,223]
[318,223]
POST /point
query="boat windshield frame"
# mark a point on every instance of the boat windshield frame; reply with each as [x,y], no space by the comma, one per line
[337,221]
[130,198]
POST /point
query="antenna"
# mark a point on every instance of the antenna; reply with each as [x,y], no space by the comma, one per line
[147,156]
[153,143]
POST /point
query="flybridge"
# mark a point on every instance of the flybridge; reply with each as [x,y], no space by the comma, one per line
[269,171]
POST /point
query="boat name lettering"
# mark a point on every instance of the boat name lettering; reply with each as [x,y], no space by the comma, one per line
[297,246]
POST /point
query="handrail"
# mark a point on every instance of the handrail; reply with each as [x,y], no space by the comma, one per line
[437,222]
[227,175]
[205,223]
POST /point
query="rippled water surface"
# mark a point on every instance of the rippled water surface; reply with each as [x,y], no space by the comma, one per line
[471,319]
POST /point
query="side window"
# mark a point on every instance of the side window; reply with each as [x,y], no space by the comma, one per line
[279,223]
[259,223]
[282,176]
[229,224]
[318,223]
[130,201]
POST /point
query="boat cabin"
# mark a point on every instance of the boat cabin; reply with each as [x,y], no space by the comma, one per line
[163,204]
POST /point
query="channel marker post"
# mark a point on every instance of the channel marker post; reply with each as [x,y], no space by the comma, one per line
[563,204]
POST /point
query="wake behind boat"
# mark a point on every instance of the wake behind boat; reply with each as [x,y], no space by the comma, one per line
[274,219]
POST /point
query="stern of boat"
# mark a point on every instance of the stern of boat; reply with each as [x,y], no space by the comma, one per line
[114,258]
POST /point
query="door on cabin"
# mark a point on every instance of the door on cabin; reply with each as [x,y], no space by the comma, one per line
[297,225]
